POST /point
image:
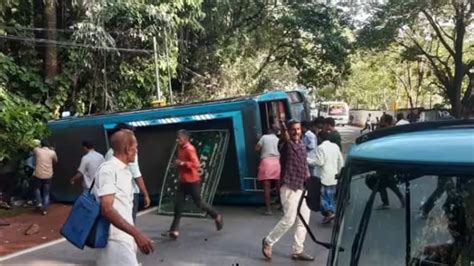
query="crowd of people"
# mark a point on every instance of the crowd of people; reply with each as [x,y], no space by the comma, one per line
[116,182]
[387,120]
[290,153]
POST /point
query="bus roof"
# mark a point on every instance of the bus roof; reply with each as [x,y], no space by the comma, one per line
[451,143]
[170,110]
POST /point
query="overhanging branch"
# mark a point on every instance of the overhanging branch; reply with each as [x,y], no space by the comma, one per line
[442,78]
[436,28]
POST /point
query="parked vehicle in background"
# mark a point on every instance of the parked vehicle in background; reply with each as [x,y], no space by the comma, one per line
[337,110]
[434,115]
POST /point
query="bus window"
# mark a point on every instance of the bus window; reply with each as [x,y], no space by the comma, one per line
[337,109]
[271,113]
[323,109]
[295,97]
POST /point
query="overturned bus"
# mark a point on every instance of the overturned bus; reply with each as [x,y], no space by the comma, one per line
[244,119]
[424,174]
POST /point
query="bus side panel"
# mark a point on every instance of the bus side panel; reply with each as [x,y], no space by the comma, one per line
[67,143]
[156,143]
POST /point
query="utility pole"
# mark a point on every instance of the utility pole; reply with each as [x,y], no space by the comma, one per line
[157,70]
[169,70]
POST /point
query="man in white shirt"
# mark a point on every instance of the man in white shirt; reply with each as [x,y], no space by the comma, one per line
[329,159]
[90,162]
[138,181]
[368,124]
[114,189]
[401,120]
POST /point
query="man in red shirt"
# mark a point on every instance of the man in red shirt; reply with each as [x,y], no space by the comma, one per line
[189,183]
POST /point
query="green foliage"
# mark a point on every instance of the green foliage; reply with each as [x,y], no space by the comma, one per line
[20,123]
[372,84]
[23,80]
[386,80]
[251,46]
[316,44]
[437,33]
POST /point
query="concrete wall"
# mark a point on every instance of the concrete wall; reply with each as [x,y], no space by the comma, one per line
[361,115]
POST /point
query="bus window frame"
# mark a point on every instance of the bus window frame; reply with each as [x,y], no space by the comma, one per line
[295,97]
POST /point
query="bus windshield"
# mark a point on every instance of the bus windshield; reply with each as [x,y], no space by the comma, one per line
[337,109]
[408,220]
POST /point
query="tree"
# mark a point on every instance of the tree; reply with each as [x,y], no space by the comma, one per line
[250,46]
[311,38]
[447,24]
[371,83]
[21,122]
[51,51]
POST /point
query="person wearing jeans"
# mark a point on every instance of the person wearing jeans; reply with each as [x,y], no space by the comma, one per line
[45,158]
[42,188]
[194,190]
[189,183]
[294,173]
[330,161]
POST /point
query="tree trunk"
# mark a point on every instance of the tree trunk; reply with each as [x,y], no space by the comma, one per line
[460,30]
[38,22]
[51,52]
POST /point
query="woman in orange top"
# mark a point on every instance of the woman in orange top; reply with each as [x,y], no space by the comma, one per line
[189,183]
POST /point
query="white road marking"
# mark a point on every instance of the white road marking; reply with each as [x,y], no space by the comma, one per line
[55,242]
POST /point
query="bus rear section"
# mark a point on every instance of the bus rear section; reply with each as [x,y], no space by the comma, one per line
[337,110]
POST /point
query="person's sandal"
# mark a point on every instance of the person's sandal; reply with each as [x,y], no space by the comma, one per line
[171,234]
[302,256]
[266,249]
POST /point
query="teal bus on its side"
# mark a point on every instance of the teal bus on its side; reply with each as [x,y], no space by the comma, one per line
[246,118]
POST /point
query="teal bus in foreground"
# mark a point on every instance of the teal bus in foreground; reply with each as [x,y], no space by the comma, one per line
[245,118]
[432,165]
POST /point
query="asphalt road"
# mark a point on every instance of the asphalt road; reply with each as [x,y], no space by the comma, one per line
[199,244]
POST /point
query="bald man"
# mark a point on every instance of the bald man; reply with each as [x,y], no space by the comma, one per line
[114,188]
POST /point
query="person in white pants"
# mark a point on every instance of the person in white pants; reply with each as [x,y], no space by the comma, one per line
[294,173]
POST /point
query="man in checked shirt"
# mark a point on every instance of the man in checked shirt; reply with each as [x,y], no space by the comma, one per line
[294,172]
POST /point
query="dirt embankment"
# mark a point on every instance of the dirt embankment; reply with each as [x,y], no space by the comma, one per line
[13,238]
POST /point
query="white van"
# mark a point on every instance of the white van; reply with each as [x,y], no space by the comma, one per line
[337,110]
